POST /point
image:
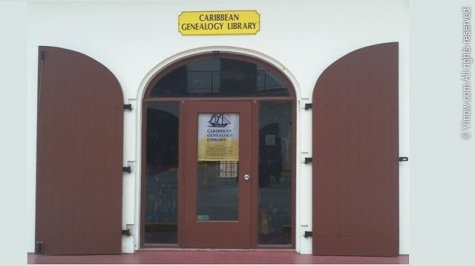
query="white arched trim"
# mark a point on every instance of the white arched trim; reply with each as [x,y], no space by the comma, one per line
[143,88]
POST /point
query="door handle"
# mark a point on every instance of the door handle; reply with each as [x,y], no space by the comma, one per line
[246,177]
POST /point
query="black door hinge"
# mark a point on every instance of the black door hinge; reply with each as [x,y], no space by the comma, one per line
[42,56]
[127,169]
[307,234]
[126,232]
[307,106]
[403,159]
[307,160]
[39,247]
[128,107]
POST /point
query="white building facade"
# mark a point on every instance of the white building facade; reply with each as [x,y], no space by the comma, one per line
[138,41]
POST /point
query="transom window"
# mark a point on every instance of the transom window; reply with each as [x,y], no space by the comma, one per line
[219,77]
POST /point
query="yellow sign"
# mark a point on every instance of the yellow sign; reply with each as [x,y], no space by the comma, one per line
[218,137]
[233,22]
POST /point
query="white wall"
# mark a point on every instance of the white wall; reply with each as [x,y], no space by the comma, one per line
[13,133]
[134,39]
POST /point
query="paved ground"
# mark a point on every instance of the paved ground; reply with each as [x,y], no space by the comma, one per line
[213,256]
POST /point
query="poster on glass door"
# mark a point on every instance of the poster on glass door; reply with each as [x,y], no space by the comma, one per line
[218,137]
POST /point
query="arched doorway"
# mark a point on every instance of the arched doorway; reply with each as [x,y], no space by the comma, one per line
[218,155]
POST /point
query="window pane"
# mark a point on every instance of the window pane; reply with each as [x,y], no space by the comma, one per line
[218,162]
[217,194]
[219,77]
[161,173]
[275,173]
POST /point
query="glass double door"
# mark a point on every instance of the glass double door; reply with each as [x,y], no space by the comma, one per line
[218,174]
[217,201]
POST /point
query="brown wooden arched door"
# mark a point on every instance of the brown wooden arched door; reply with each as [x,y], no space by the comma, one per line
[355,149]
[79,155]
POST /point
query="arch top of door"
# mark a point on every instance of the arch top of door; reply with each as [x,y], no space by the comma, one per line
[236,74]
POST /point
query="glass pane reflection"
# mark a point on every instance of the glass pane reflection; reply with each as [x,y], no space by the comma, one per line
[218,190]
[161,173]
[218,164]
[275,137]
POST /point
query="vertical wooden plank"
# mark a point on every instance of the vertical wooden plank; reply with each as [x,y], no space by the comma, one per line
[79,155]
[355,191]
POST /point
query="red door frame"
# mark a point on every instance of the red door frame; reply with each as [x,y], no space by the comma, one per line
[183,103]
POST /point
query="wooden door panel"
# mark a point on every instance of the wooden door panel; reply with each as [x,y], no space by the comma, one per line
[355,147]
[79,155]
